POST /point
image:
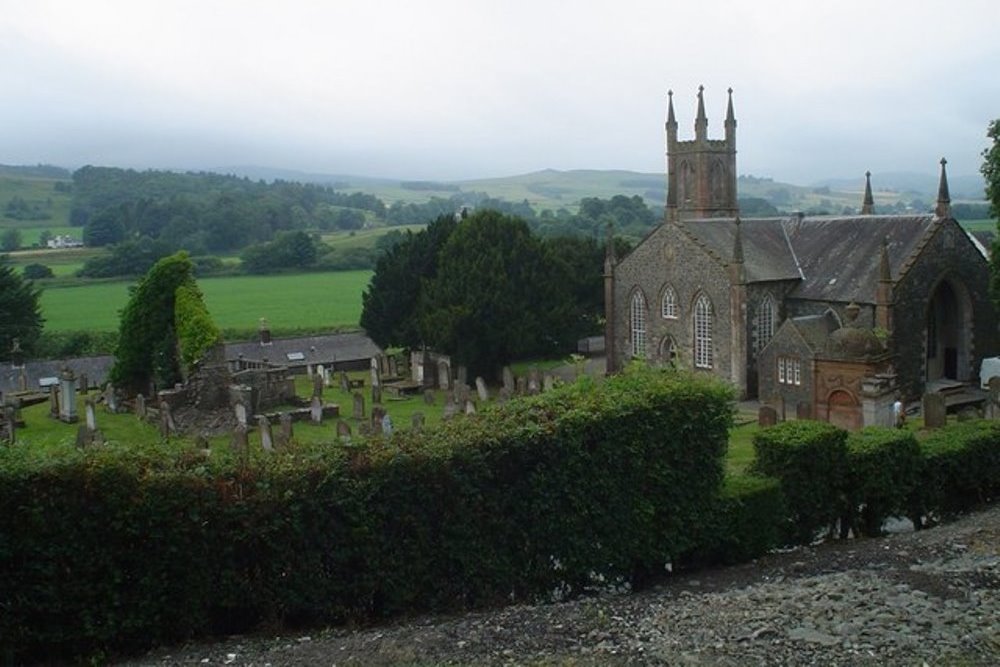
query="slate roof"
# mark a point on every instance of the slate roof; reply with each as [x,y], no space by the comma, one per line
[815,329]
[95,368]
[835,257]
[323,349]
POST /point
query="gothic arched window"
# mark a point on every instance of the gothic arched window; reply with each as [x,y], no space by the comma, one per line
[637,318]
[703,332]
[669,305]
[764,324]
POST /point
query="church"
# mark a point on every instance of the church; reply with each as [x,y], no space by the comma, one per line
[830,317]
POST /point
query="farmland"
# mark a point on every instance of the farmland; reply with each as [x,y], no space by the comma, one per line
[308,300]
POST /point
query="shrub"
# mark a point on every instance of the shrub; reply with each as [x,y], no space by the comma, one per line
[37,272]
[809,458]
[108,549]
[883,466]
[960,469]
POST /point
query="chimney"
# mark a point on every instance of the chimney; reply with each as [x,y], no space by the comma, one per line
[265,332]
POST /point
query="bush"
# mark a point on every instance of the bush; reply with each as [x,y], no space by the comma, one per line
[112,549]
[960,469]
[810,459]
[883,466]
[747,520]
[37,272]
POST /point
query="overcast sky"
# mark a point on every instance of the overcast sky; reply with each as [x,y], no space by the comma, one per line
[442,89]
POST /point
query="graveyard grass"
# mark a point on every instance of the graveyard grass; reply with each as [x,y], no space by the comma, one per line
[306,300]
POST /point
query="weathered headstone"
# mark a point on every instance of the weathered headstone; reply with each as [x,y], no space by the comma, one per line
[285,434]
[364,429]
[417,421]
[54,401]
[386,424]
[321,372]
[376,375]
[481,390]
[240,442]
[241,413]
[166,420]
[548,382]
[82,436]
[140,406]
[316,410]
[264,426]
[428,397]
[22,379]
[377,413]
[935,411]
[309,371]
[359,406]
[67,396]
[450,409]
[767,416]
[317,385]
[461,393]
[84,386]
[470,407]
[10,423]
[508,380]
[111,398]
[993,398]
[345,382]
[521,386]
[376,393]
[462,375]
[503,395]
[90,414]
[343,430]
[534,381]
[393,367]
[444,375]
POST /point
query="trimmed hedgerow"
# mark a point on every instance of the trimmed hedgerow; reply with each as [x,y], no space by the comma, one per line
[810,459]
[104,551]
[748,519]
[960,469]
[883,468]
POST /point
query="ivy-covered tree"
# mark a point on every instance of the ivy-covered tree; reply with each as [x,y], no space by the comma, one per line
[991,172]
[20,314]
[149,345]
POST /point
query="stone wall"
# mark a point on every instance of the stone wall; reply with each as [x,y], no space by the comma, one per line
[786,343]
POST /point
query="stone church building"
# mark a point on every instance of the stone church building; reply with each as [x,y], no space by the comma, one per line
[829,316]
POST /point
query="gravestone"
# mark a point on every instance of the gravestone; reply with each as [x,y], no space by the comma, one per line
[376,375]
[166,420]
[461,393]
[22,379]
[428,397]
[521,386]
[111,399]
[534,381]
[309,371]
[444,375]
[54,401]
[316,410]
[767,416]
[359,406]
[548,382]
[393,367]
[386,424]
[317,382]
[264,426]
[376,393]
[470,407]
[82,436]
[241,413]
[364,429]
[10,421]
[503,395]
[67,396]
[508,380]
[935,411]
[285,434]
[377,413]
[450,409]
[240,442]
[345,382]
[90,414]
[321,372]
[343,430]
[993,399]
[462,375]
[417,421]
[84,386]
[140,406]
[481,390]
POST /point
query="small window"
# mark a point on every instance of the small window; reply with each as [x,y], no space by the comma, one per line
[789,371]
[670,303]
[295,356]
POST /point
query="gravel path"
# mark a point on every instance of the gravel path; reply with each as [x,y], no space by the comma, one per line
[907,599]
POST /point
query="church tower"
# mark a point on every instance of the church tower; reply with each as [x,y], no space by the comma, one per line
[701,173]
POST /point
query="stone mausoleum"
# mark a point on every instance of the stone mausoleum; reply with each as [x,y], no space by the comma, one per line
[827,316]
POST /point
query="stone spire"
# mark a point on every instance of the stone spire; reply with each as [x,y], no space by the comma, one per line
[868,205]
[671,119]
[730,121]
[701,120]
[943,209]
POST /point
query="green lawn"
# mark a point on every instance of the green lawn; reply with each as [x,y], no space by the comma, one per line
[307,300]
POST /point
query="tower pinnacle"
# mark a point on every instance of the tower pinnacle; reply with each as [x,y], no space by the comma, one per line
[868,205]
[701,120]
[943,209]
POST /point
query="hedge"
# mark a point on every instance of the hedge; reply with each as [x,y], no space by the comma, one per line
[108,550]
[883,469]
[960,469]
[809,458]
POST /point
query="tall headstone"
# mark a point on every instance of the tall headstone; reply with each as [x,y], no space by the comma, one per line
[285,434]
[444,375]
[548,382]
[266,440]
[166,420]
[450,408]
[393,367]
[359,406]
[375,373]
[111,399]
[993,398]
[481,390]
[54,401]
[376,393]
[935,411]
[417,421]
[241,413]
[84,386]
[240,442]
[10,423]
[534,381]
[461,393]
[503,395]
[508,380]
[140,406]
[343,430]
[462,375]
[767,416]
[386,424]
[90,414]
[470,407]
[316,410]
[345,382]
[428,397]
[521,386]
[67,396]
[22,379]
[317,385]
[321,372]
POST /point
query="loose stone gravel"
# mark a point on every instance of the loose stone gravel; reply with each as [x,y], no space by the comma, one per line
[925,598]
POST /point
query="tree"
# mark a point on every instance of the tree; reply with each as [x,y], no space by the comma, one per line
[148,347]
[10,240]
[991,172]
[389,312]
[20,314]
[37,271]
[290,250]
[497,296]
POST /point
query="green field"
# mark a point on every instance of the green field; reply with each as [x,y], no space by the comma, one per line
[304,300]
[64,263]
[364,238]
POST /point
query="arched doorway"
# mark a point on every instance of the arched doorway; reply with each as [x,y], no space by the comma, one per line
[843,410]
[949,326]
[668,351]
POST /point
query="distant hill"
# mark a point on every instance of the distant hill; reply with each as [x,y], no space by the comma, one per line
[961,186]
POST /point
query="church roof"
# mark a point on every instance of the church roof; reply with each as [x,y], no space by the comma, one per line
[836,257]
